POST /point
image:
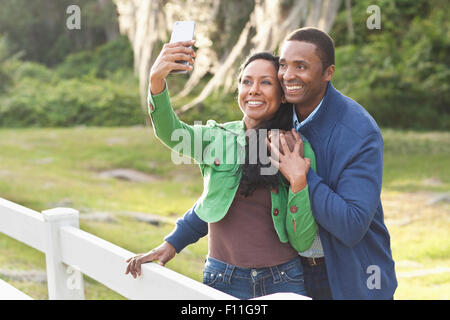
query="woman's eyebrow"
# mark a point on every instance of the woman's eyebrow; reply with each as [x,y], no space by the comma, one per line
[263,76]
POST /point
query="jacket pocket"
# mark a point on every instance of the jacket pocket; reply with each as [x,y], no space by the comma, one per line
[301,233]
[300,224]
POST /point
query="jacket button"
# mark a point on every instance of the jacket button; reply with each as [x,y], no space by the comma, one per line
[275,190]
[216,162]
[275,212]
[294,209]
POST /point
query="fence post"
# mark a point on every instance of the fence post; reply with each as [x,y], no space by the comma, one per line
[64,282]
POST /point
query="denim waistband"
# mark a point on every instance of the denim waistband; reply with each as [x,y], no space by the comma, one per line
[229,270]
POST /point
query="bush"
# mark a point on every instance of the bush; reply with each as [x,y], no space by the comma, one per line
[86,101]
[401,75]
[34,70]
[6,59]
[102,62]
[89,88]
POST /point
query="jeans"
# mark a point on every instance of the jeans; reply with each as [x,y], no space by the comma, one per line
[247,283]
[316,282]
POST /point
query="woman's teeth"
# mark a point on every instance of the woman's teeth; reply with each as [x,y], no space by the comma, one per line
[255,103]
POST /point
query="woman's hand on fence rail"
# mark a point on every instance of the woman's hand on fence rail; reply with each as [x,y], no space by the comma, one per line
[163,254]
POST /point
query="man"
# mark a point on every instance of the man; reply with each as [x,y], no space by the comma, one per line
[351,256]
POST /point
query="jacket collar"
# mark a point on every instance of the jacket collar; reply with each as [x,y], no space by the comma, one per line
[323,122]
[237,128]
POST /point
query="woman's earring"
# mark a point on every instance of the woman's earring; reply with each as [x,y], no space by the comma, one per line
[283,99]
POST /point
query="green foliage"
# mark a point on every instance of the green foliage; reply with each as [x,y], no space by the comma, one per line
[6,60]
[102,62]
[95,88]
[5,79]
[33,70]
[87,101]
[38,27]
[400,73]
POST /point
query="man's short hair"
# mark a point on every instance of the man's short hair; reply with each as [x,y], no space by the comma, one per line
[324,43]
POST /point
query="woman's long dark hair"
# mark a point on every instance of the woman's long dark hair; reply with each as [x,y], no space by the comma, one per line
[251,172]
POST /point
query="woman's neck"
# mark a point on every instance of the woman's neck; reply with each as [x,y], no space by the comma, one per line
[250,123]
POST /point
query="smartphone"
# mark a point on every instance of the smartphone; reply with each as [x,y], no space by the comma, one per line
[182,31]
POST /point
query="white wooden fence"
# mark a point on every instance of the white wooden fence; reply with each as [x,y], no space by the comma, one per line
[71,252]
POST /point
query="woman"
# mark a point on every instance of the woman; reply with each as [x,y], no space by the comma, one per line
[250,226]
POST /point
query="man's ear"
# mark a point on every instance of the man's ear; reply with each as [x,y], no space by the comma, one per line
[329,72]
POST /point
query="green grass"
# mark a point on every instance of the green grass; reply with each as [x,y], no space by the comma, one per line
[412,158]
[45,168]
[64,164]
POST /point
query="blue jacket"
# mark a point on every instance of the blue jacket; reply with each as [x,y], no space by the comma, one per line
[345,200]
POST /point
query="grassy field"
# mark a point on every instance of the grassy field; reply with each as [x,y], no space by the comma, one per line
[46,168]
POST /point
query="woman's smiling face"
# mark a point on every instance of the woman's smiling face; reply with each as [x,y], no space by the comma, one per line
[259,92]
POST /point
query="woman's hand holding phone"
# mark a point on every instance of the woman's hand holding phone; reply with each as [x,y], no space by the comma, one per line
[165,63]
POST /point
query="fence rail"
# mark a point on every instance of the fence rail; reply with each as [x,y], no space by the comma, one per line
[22,224]
[8,292]
[71,252]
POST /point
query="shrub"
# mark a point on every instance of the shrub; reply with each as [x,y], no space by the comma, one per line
[102,62]
[401,76]
[86,101]
[89,88]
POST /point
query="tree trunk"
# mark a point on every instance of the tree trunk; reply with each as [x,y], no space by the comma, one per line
[111,28]
[350,28]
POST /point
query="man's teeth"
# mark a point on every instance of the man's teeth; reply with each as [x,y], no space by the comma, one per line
[255,103]
[294,87]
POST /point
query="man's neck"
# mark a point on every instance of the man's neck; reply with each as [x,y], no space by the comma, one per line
[303,110]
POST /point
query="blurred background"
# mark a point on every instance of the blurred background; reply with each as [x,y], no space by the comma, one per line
[74,130]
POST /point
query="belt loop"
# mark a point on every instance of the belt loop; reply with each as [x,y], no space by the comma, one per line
[228,272]
[275,274]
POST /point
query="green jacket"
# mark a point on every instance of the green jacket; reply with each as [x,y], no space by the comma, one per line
[219,150]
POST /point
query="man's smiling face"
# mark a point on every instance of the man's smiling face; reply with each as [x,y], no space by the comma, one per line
[301,74]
